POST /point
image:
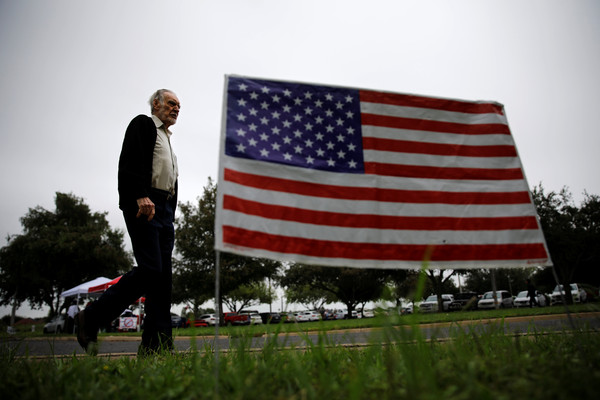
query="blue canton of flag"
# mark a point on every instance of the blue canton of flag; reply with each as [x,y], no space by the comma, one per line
[301,125]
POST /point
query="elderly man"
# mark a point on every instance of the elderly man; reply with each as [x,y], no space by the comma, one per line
[148,198]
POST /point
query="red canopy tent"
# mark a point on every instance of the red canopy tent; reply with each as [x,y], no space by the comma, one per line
[104,286]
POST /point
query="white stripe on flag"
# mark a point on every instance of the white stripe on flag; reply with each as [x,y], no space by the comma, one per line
[437,115]
[434,137]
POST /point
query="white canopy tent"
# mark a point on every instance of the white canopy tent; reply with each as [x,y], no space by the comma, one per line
[82,290]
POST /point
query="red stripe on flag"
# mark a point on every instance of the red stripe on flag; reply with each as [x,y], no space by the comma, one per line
[432,103]
[373,221]
[417,171]
[433,126]
[440,149]
[376,251]
[373,194]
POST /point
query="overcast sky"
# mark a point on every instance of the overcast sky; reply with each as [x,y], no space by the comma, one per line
[74,73]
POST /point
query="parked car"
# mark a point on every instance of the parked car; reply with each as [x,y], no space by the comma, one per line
[233,318]
[354,314]
[431,303]
[333,314]
[327,315]
[523,300]
[177,321]
[487,301]
[255,319]
[307,316]
[288,317]
[298,317]
[56,324]
[367,314]
[463,301]
[197,323]
[579,295]
[210,319]
[315,315]
[407,309]
[591,292]
[270,317]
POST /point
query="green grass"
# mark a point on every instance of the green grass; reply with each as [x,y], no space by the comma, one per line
[483,365]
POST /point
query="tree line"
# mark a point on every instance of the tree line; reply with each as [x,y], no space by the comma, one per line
[62,248]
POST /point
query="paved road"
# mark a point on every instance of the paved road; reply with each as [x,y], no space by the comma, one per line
[122,345]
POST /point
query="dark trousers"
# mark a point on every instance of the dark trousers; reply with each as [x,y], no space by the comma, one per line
[70,325]
[152,243]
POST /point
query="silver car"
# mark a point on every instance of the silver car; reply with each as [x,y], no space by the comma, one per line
[503,299]
[522,299]
[210,319]
[255,319]
[431,303]
[579,295]
[56,324]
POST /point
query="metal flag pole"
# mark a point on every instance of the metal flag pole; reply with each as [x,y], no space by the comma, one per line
[218,312]
[494,291]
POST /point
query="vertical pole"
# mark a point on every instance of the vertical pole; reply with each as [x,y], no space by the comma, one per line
[494,294]
[218,312]
[13,311]
[271,302]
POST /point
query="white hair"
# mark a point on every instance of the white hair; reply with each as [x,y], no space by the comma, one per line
[158,95]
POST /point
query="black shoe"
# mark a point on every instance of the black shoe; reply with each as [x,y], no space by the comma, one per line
[84,337]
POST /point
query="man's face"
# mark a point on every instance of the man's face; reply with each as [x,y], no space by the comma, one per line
[168,111]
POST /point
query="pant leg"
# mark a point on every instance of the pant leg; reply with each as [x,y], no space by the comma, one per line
[153,243]
[117,298]
[157,322]
[153,249]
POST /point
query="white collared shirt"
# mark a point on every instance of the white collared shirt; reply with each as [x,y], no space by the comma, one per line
[164,161]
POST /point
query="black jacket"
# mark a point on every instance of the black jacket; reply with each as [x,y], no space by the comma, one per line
[135,162]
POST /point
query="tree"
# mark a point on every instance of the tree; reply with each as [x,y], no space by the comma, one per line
[441,284]
[58,250]
[194,272]
[309,297]
[401,285]
[350,286]
[16,282]
[248,295]
[572,235]
[193,275]
[513,279]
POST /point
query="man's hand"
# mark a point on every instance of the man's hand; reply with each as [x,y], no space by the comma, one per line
[146,207]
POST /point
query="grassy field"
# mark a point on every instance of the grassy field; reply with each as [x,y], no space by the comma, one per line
[483,365]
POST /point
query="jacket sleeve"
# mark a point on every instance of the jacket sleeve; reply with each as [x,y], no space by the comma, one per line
[135,161]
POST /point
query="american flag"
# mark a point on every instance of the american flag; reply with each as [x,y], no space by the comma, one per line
[361,178]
